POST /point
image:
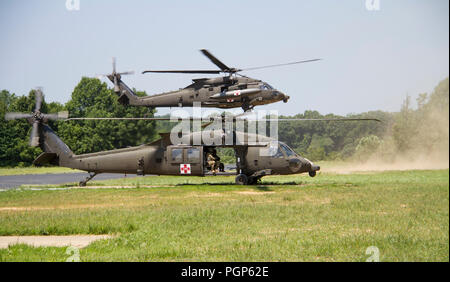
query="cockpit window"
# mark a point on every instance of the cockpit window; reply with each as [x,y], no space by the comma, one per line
[272,151]
[288,151]
[266,86]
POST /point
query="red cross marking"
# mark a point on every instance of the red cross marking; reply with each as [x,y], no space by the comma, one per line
[185,168]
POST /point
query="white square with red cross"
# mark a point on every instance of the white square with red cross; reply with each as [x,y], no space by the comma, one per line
[185,168]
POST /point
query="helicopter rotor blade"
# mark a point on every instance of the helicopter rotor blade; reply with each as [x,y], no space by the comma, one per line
[15,115]
[114,71]
[38,99]
[183,71]
[34,137]
[216,61]
[59,116]
[233,118]
[279,65]
[126,72]
[224,68]
[114,65]
[319,119]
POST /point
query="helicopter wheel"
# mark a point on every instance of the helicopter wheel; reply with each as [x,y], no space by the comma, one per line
[312,173]
[241,179]
[253,180]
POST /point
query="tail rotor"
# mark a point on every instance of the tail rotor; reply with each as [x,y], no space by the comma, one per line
[36,118]
[115,76]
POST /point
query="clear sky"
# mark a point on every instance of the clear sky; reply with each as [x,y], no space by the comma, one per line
[371,59]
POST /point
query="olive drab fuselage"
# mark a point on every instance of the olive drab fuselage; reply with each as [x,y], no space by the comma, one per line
[220,92]
[161,157]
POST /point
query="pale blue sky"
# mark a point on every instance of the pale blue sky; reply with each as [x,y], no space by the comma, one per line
[371,59]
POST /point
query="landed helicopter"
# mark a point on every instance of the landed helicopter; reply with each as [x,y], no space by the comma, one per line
[163,157]
[230,91]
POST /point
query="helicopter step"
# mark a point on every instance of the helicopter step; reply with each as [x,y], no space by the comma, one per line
[84,182]
[225,173]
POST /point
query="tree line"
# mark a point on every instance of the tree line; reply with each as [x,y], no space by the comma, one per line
[411,131]
[90,98]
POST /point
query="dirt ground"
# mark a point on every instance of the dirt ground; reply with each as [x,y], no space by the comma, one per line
[79,241]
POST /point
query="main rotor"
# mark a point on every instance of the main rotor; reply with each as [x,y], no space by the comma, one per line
[223,68]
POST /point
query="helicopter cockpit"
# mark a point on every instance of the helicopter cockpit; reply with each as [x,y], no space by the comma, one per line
[282,157]
[266,86]
[271,94]
[279,149]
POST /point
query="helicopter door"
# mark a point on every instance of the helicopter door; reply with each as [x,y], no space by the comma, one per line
[194,158]
[185,160]
[174,159]
[273,157]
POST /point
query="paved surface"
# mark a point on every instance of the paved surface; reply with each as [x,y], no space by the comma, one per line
[79,241]
[13,181]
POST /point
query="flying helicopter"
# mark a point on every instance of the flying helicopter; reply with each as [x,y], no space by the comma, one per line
[230,91]
[164,157]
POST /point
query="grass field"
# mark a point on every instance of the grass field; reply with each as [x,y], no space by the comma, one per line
[331,217]
[36,170]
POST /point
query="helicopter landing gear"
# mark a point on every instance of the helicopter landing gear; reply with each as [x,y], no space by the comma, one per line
[253,180]
[312,173]
[241,179]
[91,175]
[246,106]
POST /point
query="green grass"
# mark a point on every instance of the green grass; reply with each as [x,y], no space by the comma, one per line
[36,170]
[286,218]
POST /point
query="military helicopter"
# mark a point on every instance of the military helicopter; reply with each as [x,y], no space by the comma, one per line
[230,91]
[163,157]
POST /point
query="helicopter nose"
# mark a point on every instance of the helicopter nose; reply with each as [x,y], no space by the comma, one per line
[295,164]
[286,98]
[277,95]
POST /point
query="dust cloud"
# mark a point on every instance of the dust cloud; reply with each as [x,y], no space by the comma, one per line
[416,138]
[379,165]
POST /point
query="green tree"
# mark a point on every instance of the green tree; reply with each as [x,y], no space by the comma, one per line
[92,98]
[15,133]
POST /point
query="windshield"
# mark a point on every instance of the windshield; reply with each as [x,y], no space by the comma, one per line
[266,86]
[287,150]
[274,150]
